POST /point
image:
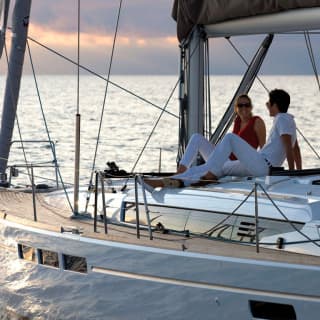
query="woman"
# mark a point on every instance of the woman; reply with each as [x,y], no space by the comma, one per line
[250,128]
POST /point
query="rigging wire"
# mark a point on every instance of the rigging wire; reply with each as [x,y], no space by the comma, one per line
[181,117]
[246,62]
[46,124]
[151,133]
[311,56]
[99,76]
[104,103]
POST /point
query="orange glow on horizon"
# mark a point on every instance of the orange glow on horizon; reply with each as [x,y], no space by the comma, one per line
[68,39]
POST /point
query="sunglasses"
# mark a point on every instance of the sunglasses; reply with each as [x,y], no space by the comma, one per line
[247,105]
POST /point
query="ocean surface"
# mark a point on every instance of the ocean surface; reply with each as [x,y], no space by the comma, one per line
[128,121]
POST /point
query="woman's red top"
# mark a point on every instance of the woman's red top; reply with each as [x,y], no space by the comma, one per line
[247,133]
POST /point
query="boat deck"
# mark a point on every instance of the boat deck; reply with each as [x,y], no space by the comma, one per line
[17,206]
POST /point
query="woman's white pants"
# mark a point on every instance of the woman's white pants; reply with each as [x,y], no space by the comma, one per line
[250,162]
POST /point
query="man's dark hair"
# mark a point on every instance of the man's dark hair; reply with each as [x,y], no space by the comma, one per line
[281,98]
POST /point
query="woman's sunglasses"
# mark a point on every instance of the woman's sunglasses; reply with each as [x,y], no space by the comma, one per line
[247,105]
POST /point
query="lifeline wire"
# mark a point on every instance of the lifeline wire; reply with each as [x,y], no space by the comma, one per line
[285,217]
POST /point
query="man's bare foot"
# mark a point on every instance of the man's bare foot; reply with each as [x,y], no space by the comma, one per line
[208,178]
[181,168]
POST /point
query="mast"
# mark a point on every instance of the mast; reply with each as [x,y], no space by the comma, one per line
[20,23]
[195,84]
[191,93]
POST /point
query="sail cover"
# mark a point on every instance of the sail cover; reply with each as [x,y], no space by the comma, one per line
[188,13]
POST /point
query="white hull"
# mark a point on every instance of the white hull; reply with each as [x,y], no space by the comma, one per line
[139,282]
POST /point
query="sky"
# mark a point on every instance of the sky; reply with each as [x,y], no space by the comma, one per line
[146,40]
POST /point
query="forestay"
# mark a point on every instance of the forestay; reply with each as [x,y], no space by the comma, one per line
[235,17]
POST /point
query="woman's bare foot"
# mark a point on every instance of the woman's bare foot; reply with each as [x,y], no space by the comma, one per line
[181,168]
[164,183]
[154,183]
[210,176]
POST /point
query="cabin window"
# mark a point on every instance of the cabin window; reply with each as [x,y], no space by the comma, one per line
[49,258]
[73,263]
[170,217]
[27,253]
[272,311]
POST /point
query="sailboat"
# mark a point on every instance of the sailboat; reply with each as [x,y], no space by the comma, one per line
[246,248]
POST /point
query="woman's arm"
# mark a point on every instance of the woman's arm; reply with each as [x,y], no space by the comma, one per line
[260,130]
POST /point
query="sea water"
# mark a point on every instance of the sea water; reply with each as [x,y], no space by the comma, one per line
[129,126]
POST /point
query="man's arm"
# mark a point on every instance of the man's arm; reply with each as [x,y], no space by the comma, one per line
[260,129]
[297,156]
[286,140]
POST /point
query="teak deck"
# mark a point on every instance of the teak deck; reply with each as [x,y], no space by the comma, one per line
[17,206]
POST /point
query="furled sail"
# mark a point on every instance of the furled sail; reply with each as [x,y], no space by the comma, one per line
[188,13]
[4,10]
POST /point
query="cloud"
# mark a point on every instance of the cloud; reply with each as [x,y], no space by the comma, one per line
[144,17]
[146,40]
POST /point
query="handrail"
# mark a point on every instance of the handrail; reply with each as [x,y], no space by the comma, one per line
[99,176]
[140,180]
[33,196]
[53,148]
[256,213]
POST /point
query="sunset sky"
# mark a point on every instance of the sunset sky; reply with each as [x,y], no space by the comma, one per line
[146,42]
